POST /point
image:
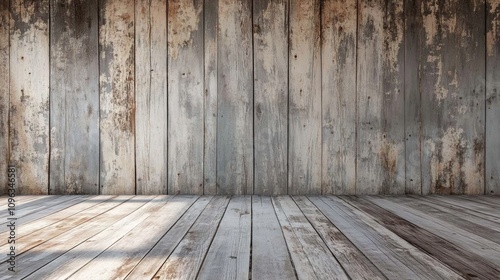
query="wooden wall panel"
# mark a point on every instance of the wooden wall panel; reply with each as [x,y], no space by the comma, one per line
[338,90]
[380,81]
[235,98]
[151,96]
[74,97]
[117,103]
[271,95]
[29,94]
[453,96]
[492,167]
[304,137]
[4,94]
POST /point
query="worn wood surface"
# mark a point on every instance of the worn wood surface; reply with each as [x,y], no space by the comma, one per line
[185,97]
[270,31]
[29,95]
[338,91]
[151,96]
[4,93]
[304,116]
[74,97]
[452,72]
[492,165]
[380,85]
[117,97]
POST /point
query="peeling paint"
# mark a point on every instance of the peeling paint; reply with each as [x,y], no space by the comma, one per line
[183,20]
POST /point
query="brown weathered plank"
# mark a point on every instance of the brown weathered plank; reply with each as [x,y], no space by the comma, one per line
[235,98]
[270,20]
[270,258]
[117,103]
[4,93]
[380,98]
[210,26]
[452,72]
[29,94]
[74,97]
[304,135]
[185,97]
[338,91]
[151,96]
[492,167]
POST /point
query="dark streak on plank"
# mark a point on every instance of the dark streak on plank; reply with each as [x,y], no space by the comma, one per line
[4,93]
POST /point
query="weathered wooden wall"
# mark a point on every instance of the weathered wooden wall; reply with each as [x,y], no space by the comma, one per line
[242,96]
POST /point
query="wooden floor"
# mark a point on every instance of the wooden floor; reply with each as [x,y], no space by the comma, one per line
[254,237]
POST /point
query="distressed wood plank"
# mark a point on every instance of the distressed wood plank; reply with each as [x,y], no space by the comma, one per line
[151,96]
[29,95]
[74,97]
[117,102]
[486,215]
[310,255]
[229,253]
[186,260]
[304,136]
[338,91]
[235,98]
[452,72]
[270,258]
[492,167]
[185,97]
[30,209]
[270,29]
[210,26]
[4,93]
[380,98]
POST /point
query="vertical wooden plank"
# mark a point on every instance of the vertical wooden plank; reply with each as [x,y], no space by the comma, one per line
[235,98]
[412,106]
[453,96]
[74,97]
[493,97]
[270,29]
[4,94]
[210,26]
[338,91]
[185,97]
[151,96]
[380,156]
[117,102]
[304,152]
[29,94]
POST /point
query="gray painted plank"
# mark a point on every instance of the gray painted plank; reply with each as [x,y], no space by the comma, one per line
[380,99]
[338,72]
[235,98]
[185,97]
[270,258]
[304,136]
[151,96]
[270,29]
[74,97]
[117,102]
[4,94]
[492,167]
[29,95]
[452,74]
[210,26]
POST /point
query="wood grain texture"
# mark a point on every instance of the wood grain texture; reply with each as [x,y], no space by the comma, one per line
[29,95]
[151,96]
[4,93]
[185,97]
[270,29]
[380,81]
[338,91]
[304,136]
[74,97]
[210,26]
[235,98]
[117,101]
[453,96]
[492,167]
